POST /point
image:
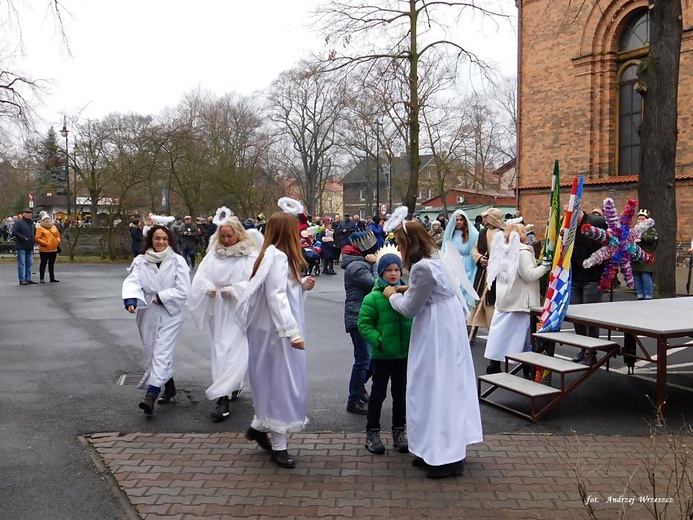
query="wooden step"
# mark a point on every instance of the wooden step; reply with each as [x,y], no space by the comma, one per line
[519,385]
[560,366]
[568,338]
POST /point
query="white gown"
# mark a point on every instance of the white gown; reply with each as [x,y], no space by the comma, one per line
[272,307]
[443,415]
[217,316]
[159,325]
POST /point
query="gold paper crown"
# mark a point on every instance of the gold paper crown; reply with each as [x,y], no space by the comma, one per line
[388,249]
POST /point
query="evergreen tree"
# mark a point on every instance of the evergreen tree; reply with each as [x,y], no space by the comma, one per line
[50,177]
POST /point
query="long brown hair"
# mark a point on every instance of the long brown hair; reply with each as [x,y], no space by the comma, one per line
[149,238]
[282,232]
[415,242]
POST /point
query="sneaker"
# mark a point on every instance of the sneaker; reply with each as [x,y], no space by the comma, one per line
[42,281]
[373,442]
[359,408]
[399,440]
[23,283]
[55,281]
[221,412]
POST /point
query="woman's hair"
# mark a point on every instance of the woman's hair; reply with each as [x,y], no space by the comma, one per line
[282,232]
[415,241]
[517,228]
[235,224]
[149,239]
[465,229]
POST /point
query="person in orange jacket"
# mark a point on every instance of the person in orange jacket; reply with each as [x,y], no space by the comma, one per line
[47,237]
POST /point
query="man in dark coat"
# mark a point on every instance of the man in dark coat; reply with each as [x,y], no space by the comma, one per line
[188,240]
[23,232]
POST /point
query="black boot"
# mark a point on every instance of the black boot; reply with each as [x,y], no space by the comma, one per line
[282,459]
[445,470]
[494,367]
[169,392]
[147,404]
[221,412]
[399,440]
[260,437]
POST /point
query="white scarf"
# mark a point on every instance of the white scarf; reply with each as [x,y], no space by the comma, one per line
[240,248]
[153,257]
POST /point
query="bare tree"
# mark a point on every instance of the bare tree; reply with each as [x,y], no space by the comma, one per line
[306,106]
[405,25]
[658,80]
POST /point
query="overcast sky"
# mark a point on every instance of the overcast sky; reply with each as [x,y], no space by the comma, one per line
[144,55]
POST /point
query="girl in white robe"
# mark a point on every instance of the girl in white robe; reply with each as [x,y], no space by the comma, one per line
[515,270]
[443,415]
[157,291]
[230,257]
[273,309]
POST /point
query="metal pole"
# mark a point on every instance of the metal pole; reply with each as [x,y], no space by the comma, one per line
[64,132]
[377,168]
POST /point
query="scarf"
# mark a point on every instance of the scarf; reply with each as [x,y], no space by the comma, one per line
[153,257]
[47,226]
[240,248]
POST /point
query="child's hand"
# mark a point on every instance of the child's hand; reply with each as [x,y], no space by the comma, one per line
[402,288]
[389,291]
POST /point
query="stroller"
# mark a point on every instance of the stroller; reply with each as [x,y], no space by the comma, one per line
[312,256]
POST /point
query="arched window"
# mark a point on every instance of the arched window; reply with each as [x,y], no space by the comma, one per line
[633,45]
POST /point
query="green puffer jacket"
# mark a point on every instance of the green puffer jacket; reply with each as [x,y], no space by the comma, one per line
[648,242]
[386,330]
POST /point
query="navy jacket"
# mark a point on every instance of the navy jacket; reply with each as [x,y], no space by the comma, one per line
[23,232]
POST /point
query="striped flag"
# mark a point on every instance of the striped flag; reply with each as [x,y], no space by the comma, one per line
[554,221]
[558,293]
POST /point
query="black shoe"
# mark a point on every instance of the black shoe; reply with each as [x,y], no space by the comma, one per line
[364,395]
[147,404]
[418,462]
[282,459]
[23,283]
[373,442]
[260,437]
[221,412]
[169,392]
[31,282]
[445,470]
[358,408]
[235,394]
[55,281]
[399,440]
[494,367]
[42,281]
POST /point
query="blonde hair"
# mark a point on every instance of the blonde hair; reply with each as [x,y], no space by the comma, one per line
[282,233]
[517,228]
[234,224]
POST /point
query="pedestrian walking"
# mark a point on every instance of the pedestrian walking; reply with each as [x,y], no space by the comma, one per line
[272,307]
[156,290]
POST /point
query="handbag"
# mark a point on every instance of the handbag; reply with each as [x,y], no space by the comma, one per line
[59,250]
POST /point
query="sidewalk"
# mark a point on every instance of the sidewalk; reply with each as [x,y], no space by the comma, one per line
[220,476]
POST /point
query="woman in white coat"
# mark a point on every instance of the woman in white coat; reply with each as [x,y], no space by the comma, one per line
[230,257]
[443,414]
[514,268]
[272,306]
[157,291]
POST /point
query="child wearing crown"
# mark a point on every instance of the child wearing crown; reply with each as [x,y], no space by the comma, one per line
[388,333]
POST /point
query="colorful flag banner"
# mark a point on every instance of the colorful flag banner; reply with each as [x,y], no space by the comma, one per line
[554,221]
[558,293]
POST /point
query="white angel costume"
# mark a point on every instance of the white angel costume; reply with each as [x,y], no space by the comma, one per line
[219,269]
[272,307]
[517,276]
[159,324]
[443,414]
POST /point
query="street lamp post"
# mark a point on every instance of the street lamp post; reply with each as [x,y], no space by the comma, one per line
[377,167]
[64,133]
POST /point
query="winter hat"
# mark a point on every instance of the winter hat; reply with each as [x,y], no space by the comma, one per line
[388,255]
[645,213]
[44,214]
[364,240]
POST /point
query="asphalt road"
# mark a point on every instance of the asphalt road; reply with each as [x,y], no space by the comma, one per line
[64,349]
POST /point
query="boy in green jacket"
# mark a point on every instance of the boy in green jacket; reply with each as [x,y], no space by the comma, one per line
[388,333]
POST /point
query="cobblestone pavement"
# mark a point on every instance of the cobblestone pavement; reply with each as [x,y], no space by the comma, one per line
[222,475]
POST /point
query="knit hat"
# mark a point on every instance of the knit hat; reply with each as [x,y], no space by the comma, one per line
[386,260]
[387,255]
[44,214]
[364,240]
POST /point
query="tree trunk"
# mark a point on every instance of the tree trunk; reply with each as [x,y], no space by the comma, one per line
[414,157]
[658,77]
